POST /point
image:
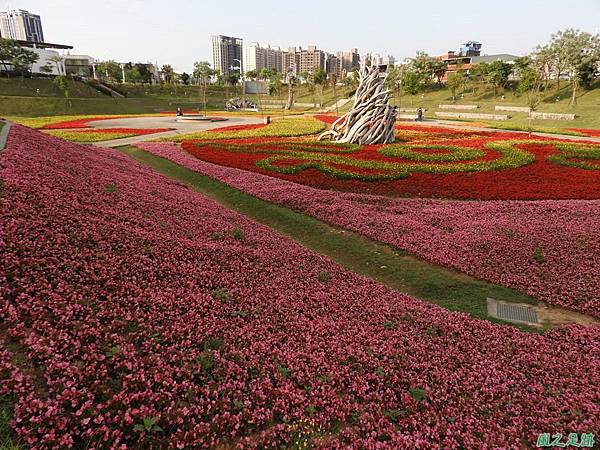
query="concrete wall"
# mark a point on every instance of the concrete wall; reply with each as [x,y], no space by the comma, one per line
[459,106]
[462,115]
[524,109]
[551,116]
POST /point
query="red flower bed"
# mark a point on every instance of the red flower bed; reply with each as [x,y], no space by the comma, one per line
[587,132]
[79,123]
[253,126]
[134,131]
[540,179]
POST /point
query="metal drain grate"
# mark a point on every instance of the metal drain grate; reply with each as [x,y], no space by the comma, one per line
[512,312]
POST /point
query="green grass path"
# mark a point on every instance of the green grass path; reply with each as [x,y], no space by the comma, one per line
[394,268]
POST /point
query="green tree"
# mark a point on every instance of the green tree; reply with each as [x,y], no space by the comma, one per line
[291,81]
[62,83]
[578,51]
[58,61]
[265,74]
[133,75]
[421,65]
[168,74]
[185,78]
[479,74]
[319,78]
[145,73]
[428,67]
[22,60]
[498,74]
[456,80]
[252,74]
[8,48]
[46,69]
[203,72]
[110,70]
[305,76]
[412,83]
[588,73]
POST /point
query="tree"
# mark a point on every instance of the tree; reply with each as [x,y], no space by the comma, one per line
[291,81]
[439,69]
[233,78]
[428,67]
[8,49]
[305,76]
[168,74]
[456,80]
[185,78]
[133,75]
[393,80]
[202,73]
[46,69]
[479,74]
[578,51]
[319,78]
[265,74]
[62,83]
[145,73]
[111,70]
[498,74]
[588,73]
[23,59]
[412,83]
[274,83]
[57,60]
[252,74]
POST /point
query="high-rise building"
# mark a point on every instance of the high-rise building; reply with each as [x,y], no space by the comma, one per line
[348,61]
[21,25]
[375,59]
[227,54]
[311,59]
[332,65]
[258,58]
[291,61]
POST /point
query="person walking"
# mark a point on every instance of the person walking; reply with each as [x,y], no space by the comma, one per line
[420,115]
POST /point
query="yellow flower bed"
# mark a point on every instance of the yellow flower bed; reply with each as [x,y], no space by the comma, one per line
[87,137]
[279,128]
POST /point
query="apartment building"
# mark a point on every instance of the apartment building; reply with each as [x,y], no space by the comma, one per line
[227,54]
[258,58]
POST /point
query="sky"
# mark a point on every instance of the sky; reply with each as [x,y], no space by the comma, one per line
[177,32]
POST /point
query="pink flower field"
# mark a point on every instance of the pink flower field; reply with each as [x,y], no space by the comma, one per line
[548,249]
[138,313]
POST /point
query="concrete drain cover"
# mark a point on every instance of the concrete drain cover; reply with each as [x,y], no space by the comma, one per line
[512,312]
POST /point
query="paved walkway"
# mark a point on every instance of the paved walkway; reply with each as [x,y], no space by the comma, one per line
[163,122]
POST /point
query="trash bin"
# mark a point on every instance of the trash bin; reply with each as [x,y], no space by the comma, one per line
[267,120]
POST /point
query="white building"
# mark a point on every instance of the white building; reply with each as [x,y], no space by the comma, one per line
[48,58]
[258,58]
[21,25]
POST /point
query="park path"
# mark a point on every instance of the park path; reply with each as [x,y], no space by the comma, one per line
[163,122]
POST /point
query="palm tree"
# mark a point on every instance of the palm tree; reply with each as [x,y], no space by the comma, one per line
[58,60]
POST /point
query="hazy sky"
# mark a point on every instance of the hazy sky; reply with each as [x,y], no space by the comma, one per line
[178,31]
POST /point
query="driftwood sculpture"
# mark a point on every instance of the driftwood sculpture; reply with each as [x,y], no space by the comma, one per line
[239,103]
[372,119]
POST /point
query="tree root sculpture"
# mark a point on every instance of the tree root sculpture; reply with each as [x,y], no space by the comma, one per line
[372,119]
